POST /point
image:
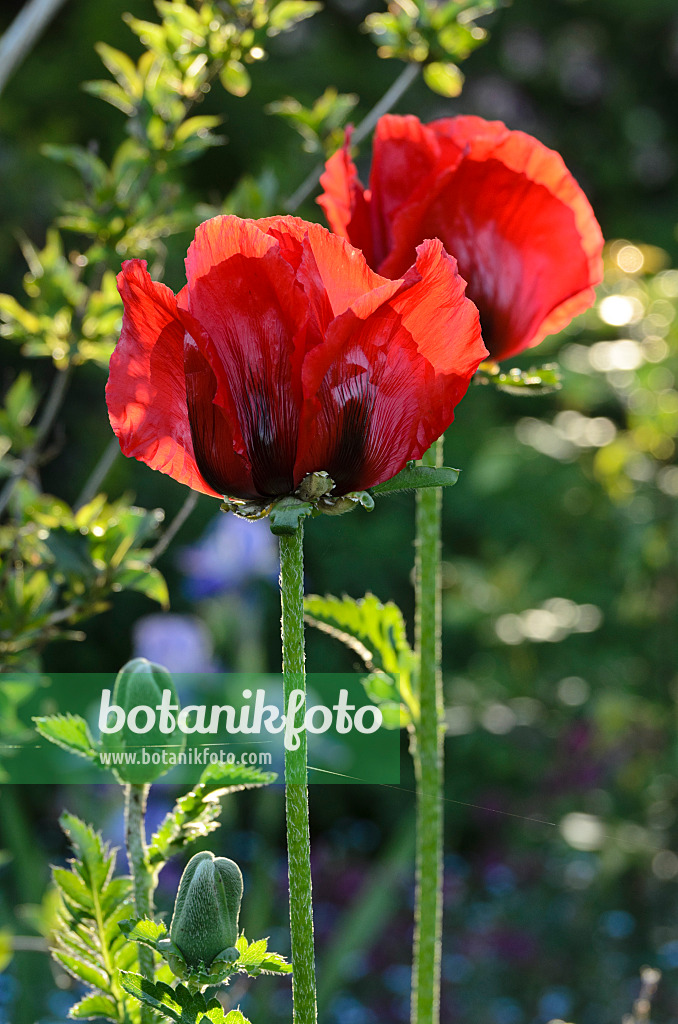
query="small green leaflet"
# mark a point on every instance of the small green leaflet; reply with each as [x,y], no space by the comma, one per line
[414,476]
[68,731]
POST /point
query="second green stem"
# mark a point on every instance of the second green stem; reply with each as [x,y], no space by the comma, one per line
[296,789]
[428,755]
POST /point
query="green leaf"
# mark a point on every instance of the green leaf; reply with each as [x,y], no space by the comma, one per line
[136,575]
[92,1007]
[89,166]
[373,630]
[68,731]
[91,904]
[444,78]
[73,887]
[110,93]
[235,78]
[83,971]
[194,815]
[145,931]
[178,1004]
[288,12]
[287,514]
[123,70]
[414,476]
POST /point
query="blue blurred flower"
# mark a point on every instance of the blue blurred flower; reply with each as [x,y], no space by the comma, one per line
[181,643]
[230,554]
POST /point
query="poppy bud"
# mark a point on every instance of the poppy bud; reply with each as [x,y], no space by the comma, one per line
[145,703]
[206,911]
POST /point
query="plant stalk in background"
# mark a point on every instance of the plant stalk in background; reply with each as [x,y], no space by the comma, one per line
[428,753]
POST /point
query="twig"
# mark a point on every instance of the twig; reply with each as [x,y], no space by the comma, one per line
[55,397]
[402,83]
[22,34]
[98,474]
[174,527]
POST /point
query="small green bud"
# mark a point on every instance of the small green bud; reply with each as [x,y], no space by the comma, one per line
[142,683]
[205,920]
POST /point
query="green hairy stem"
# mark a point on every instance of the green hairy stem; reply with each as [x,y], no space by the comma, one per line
[142,878]
[296,790]
[428,756]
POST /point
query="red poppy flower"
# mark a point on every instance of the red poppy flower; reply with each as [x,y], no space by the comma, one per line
[504,205]
[284,355]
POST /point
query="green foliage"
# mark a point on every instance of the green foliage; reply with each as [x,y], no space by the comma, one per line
[70,732]
[251,958]
[536,381]
[376,632]
[58,567]
[88,940]
[320,126]
[179,1004]
[438,35]
[195,814]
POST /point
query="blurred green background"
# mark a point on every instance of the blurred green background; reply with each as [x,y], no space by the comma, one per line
[560,548]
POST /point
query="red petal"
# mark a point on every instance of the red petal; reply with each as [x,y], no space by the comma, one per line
[520,227]
[146,389]
[346,203]
[384,385]
[217,442]
[333,273]
[243,293]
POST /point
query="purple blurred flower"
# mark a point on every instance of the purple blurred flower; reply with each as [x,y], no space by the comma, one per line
[230,554]
[181,643]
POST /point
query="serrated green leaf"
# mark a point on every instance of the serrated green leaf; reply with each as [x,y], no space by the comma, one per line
[194,814]
[73,887]
[413,477]
[375,631]
[93,1007]
[231,778]
[84,971]
[178,1004]
[93,857]
[145,931]
[68,731]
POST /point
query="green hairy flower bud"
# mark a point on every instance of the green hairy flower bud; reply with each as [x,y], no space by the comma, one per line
[206,911]
[142,716]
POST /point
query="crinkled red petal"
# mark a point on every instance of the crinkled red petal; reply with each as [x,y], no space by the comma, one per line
[346,203]
[146,389]
[385,384]
[504,205]
[256,316]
